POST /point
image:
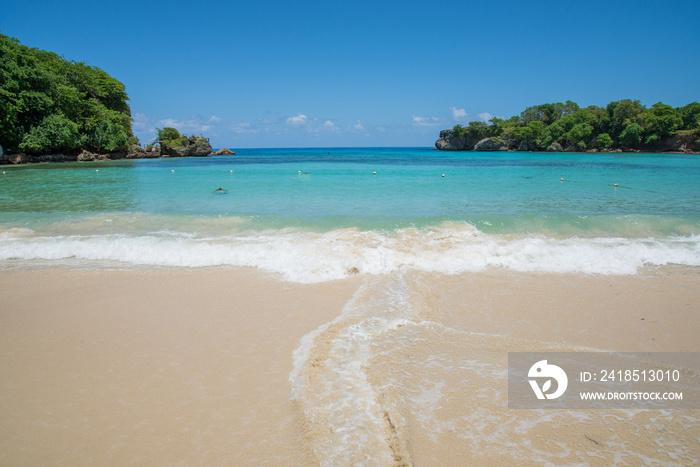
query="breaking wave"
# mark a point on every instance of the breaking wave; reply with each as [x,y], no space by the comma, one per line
[302,256]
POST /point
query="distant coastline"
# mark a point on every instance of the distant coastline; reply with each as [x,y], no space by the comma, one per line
[55,110]
[624,126]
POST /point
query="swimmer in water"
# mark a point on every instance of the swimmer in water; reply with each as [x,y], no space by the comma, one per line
[220,190]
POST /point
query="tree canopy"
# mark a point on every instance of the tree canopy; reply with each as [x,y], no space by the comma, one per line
[624,123]
[49,104]
[171,137]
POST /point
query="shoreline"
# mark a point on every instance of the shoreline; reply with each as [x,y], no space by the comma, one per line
[24,159]
[192,365]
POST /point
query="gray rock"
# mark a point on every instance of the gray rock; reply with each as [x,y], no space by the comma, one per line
[199,148]
[555,147]
[491,144]
[223,152]
[524,146]
[86,156]
[449,142]
[683,141]
[574,148]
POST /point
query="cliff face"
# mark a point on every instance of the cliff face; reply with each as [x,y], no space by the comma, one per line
[449,142]
[683,141]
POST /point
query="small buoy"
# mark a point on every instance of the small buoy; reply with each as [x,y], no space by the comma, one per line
[299,172]
[561,179]
[3,172]
[96,170]
[616,184]
[443,175]
[172,171]
[231,171]
[373,173]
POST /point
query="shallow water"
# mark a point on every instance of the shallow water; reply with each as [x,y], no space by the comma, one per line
[404,377]
[320,214]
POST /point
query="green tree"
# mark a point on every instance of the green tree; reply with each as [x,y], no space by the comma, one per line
[631,135]
[35,84]
[691,115]
[168,134]
[624,113]
[55,133]
[661,120]
[478,130]
[580,135]
[601,122]
[497,126]
[566,108]
[107,137]
[529,134]
[546,113]
[604,140]
[585,116]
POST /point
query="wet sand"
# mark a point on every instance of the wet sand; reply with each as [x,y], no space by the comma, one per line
[191,367]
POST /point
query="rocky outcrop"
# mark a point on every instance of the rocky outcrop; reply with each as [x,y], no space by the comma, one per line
[87,156]
[574,148]
[491,144]
[23,158]
[137,152]
[683,141]
[199,148]
[555,147]
[448,141]
[223,152]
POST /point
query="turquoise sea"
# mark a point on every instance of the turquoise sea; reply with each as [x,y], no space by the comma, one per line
[319,214]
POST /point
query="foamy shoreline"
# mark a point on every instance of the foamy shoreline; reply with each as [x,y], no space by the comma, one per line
[192,365]
[305,256]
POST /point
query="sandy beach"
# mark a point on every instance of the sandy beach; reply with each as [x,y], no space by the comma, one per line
[192,367]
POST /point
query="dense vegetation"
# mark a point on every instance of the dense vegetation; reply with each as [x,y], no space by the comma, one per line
[171,137]
[622,124]
[50,105]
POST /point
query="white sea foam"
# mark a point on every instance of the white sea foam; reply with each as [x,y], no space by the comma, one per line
[347,422]
[303,256]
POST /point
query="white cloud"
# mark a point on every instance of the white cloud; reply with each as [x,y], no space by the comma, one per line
[358,126]
[214,119]
[194,124]
[458,114]
[243,127]
[330,126]
[143,124]
[462,115]
[426,121]
[171,122]
[300,119]
[268,120]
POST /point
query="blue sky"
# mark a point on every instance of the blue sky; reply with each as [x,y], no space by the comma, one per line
[365,73]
